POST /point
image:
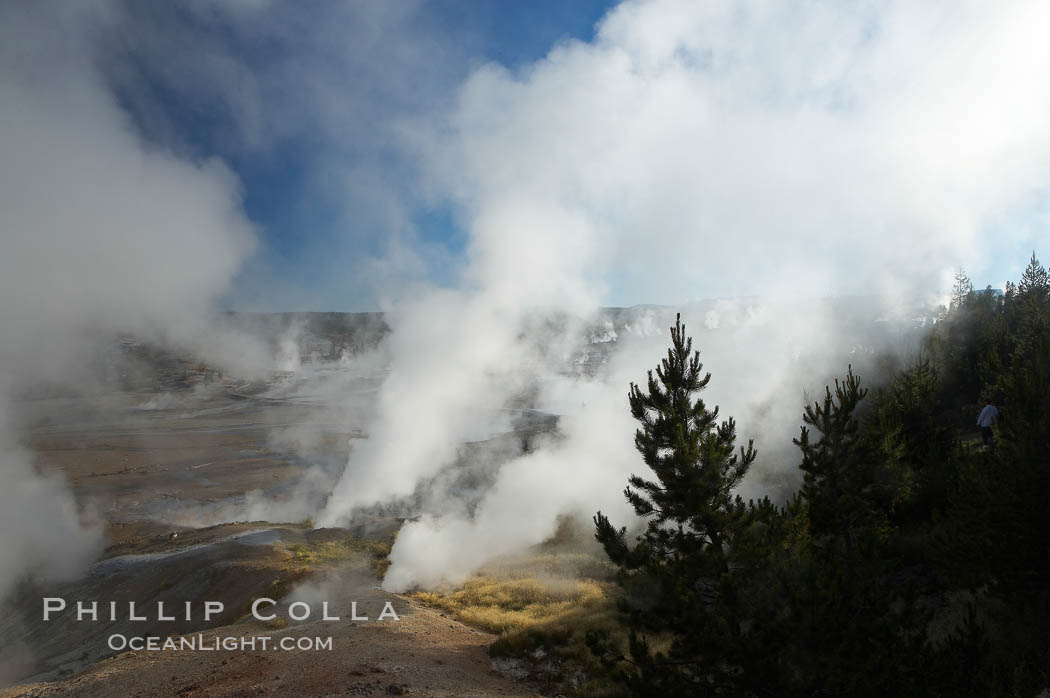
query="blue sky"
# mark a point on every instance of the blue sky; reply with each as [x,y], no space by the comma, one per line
[300,221]
[678,150]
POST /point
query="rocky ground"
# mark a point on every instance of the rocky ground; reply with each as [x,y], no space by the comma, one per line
[162,471]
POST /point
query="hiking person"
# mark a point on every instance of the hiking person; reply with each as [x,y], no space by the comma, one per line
[989,414]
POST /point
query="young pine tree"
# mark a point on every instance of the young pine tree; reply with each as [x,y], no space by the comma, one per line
[856,614]
[683,575]
[962,291]
[1024,383]
[1035,281]
[838,478]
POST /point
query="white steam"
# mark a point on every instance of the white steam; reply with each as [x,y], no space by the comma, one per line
[101,234]
[694,149]
[454,352]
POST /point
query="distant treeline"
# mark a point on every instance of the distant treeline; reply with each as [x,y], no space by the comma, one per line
[915,559]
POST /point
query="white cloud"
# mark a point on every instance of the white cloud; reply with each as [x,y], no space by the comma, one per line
[734,148]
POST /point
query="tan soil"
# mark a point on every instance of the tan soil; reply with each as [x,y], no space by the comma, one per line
[423,654]
[133,466]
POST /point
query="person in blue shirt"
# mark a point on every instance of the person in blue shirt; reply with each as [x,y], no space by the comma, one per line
[989,414]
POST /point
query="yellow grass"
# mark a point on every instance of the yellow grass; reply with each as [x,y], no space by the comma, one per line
[541,618]
[542,605]
[504,605]
[325,553]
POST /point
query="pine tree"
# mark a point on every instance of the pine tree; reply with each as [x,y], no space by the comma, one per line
[831,464]
[692,456]
[688,559]
[915,443]
[1035,281]
[1024,381]
[962,291]
[856,619]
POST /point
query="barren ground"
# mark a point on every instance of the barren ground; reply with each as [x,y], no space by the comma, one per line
[423,654]
[150,468]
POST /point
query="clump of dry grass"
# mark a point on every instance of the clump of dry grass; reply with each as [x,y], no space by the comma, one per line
[503,605]
[542,604]
[334,552]
[542,617]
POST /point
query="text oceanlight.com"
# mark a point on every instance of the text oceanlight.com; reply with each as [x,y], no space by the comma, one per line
[199,643]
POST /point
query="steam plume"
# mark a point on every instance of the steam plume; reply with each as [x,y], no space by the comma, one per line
[690,150]
[101,234]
